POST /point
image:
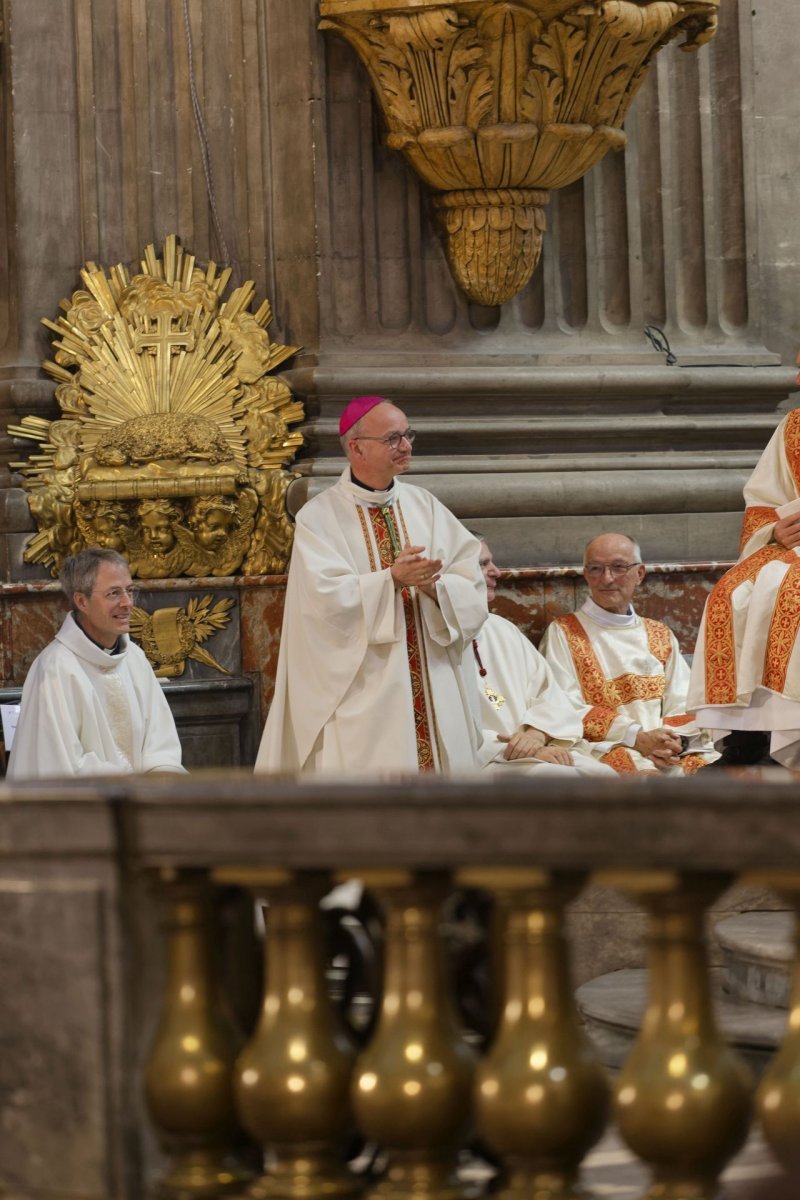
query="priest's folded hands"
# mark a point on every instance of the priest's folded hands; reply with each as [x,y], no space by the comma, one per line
[661,746]
[787,531]
[532,743]
[412,569]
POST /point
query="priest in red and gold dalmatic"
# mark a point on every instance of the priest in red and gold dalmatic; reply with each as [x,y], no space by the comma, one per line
[746,669]
[625,673]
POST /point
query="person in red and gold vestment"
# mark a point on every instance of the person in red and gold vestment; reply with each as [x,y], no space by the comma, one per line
[746,668]
[529,724]
[625,673]
[384,594]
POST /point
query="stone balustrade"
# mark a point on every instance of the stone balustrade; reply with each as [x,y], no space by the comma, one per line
[283,1108]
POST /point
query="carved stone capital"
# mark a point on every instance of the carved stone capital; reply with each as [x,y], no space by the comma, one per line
[500,102]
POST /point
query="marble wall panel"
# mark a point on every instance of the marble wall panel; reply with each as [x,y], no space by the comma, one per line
[678,601]
[34,621]
[262,616]
[522,603]
[6,644]
[562,594]
[529,597]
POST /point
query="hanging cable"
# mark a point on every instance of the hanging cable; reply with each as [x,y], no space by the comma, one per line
[202,136]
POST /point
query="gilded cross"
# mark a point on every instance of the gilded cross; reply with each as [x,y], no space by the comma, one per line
[164,342]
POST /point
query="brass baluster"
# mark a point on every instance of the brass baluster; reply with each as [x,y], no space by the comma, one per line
[541,1097]
[188,1086]
[293,1078]
[778,1097]
[683,1098]
[411,1089]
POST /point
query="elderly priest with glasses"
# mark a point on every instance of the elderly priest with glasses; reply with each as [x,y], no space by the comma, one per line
[384,594]
[624,672]
[91,704]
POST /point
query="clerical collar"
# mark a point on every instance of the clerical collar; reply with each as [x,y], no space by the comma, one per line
[610,619]
[365,486]
[115,649]
[366,495]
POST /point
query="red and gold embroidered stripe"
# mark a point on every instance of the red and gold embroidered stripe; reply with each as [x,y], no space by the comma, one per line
[659,643]
[691,763]
[594,684]
[605,693]
[380,518]
[597,722]
[373,566]
[679,719]
[791,444]
[621,760]
[638,687]
[783,629]
[406,541]
[720,652]
[756,516]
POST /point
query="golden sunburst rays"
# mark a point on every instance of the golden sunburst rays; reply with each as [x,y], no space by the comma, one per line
[122,380]
[161,341]
[165,389]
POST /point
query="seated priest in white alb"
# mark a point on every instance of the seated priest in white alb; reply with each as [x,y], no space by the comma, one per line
[624,672]
[91,704]
[527,721]
[746,667]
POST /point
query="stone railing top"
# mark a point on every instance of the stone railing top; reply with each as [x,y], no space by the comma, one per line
[712,822]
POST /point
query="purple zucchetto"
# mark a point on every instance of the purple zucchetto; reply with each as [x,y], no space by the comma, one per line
[357,409]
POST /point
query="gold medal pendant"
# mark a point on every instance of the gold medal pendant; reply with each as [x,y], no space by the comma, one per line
[494,697]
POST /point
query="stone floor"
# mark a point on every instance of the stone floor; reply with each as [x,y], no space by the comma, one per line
[611,1170]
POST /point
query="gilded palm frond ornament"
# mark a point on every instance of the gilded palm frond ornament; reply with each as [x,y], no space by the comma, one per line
[170,636]
[494,104]
[174,436]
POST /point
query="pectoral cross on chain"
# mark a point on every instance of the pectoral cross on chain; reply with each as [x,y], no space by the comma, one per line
[164,342]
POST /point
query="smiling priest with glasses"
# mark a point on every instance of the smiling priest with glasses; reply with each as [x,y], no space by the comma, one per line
[384,593]
[625,673]
[91,704]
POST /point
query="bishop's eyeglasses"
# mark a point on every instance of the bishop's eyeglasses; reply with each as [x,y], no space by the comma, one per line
[392,440]
[616,570]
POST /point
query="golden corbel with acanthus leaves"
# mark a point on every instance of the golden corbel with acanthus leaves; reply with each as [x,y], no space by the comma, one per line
[494,104]
[174,435]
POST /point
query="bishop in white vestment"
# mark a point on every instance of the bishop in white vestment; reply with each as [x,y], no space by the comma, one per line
[746,667]
[91,704]
[384,593]
[527,721]
[625,673]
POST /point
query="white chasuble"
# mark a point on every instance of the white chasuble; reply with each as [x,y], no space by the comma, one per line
[746,668]
[370,677]
[517,688]
[86,712]
[625,674]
